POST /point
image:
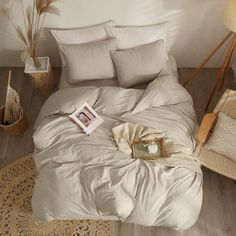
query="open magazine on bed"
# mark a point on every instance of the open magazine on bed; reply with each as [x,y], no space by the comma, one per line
[86,118]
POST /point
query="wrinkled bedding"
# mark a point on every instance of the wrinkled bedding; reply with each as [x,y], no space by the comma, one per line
[88,177]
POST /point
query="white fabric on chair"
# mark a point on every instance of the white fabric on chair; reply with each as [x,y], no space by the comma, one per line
[223,138]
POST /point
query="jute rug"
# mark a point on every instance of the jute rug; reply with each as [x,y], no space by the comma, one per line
[16,187]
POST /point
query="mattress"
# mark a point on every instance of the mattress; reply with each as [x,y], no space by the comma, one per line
[171,66]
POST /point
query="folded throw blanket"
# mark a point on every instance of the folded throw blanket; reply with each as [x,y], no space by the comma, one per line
[177,155]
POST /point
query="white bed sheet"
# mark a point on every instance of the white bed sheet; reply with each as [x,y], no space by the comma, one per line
[171,66]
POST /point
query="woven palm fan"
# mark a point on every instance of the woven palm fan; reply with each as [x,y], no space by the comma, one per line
[210,159]
[13,110]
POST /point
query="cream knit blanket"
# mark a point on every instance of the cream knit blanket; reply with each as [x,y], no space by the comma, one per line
[177,155]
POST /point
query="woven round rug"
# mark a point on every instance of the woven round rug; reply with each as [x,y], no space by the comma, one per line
[16,187]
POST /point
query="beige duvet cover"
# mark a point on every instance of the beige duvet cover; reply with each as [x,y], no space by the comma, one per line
[83,176]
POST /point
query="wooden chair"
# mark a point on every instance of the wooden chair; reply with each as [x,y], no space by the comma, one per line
[210,159]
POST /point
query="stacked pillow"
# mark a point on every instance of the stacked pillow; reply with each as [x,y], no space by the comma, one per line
[140,64]
[134,36]
[90,53]
[89,61]
[68,41]
[82,34]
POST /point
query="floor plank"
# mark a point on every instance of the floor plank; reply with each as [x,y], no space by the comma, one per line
[14,147]
[218,214]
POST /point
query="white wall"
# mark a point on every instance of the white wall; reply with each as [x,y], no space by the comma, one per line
[195,25]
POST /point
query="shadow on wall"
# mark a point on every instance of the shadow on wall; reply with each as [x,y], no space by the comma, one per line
[10,50]
[194,25]
[9,56]
[201,28]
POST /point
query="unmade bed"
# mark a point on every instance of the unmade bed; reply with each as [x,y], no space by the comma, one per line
[90,177]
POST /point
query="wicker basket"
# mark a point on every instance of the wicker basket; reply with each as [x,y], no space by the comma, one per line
[17,128]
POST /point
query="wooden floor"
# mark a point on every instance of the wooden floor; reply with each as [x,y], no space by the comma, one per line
[218,215]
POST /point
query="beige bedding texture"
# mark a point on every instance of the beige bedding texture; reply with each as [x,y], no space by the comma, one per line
[83,176]
[171,67]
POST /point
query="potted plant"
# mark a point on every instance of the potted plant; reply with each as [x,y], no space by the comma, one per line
[28,36]
[12,118]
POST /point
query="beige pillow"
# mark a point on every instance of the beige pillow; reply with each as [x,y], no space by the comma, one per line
[134,36]
[80,35]
[223,138]
[90,61]
[139,65]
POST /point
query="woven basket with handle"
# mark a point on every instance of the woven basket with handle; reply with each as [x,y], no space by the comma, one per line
[16,128]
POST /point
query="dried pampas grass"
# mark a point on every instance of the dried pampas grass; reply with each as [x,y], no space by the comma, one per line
[51,10]
[21,35]
[34,17]
[29,14]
